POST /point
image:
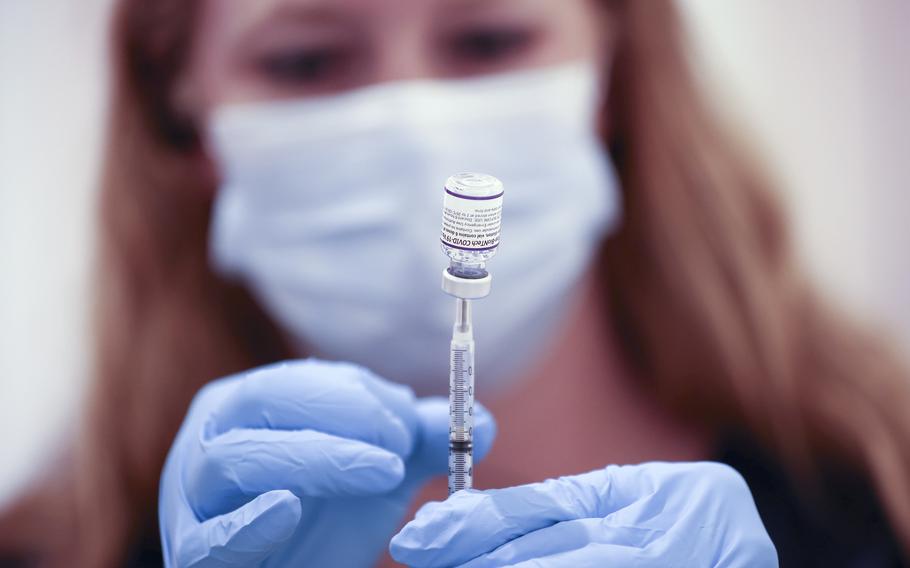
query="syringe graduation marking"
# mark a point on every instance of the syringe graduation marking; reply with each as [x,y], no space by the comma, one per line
[461,407]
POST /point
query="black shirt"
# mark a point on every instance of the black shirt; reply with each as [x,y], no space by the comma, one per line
[838,524]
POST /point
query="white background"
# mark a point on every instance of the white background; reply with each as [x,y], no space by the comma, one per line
[824,86]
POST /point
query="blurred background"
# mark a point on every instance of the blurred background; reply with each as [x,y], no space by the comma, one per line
[820,87]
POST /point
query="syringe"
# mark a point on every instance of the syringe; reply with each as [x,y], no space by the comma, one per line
[461,400]
[471,221]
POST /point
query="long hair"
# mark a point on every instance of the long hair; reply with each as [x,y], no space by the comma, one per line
[704,292]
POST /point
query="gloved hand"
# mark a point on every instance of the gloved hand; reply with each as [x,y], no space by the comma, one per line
[306,462]
[655,514]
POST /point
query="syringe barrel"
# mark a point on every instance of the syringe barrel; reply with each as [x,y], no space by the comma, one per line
[461,408]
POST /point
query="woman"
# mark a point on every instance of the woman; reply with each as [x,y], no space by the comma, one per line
[678,325]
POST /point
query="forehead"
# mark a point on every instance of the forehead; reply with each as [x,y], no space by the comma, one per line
[235,15]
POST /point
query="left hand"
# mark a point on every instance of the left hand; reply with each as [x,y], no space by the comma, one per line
[303,462]
[655,514]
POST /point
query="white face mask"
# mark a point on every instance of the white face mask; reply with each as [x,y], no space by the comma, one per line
[330,211]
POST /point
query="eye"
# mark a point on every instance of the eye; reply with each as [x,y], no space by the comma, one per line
[310,66]
[484,45]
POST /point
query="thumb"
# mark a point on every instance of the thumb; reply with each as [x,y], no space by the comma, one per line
[243,537]
[431,451]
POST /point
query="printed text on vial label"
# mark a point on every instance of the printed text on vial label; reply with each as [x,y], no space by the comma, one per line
[472,226]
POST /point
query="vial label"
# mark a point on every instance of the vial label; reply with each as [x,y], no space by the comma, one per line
[471,223]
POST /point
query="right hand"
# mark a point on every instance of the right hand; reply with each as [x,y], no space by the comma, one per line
[300,462]
[653,515]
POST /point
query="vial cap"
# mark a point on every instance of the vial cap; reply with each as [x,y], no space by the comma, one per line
[464,288]
[474,185]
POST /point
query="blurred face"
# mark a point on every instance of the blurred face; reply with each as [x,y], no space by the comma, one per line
[313,196]
[271,49]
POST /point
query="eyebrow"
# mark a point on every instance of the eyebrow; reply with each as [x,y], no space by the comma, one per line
[465,8]
[321,14]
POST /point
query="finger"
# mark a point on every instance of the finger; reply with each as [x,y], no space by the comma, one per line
[243,537]
[396,397]
[431,451]
[681,513]
[471,523]
[336,398]
[241,464]
[594,556]
[582,542]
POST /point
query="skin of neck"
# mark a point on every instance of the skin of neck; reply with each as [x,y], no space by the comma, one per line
[580,409]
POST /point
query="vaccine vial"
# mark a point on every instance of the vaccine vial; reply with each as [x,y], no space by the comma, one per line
[471,223]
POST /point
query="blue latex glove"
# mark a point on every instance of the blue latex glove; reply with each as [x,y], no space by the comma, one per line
[307,462]
[655,514]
